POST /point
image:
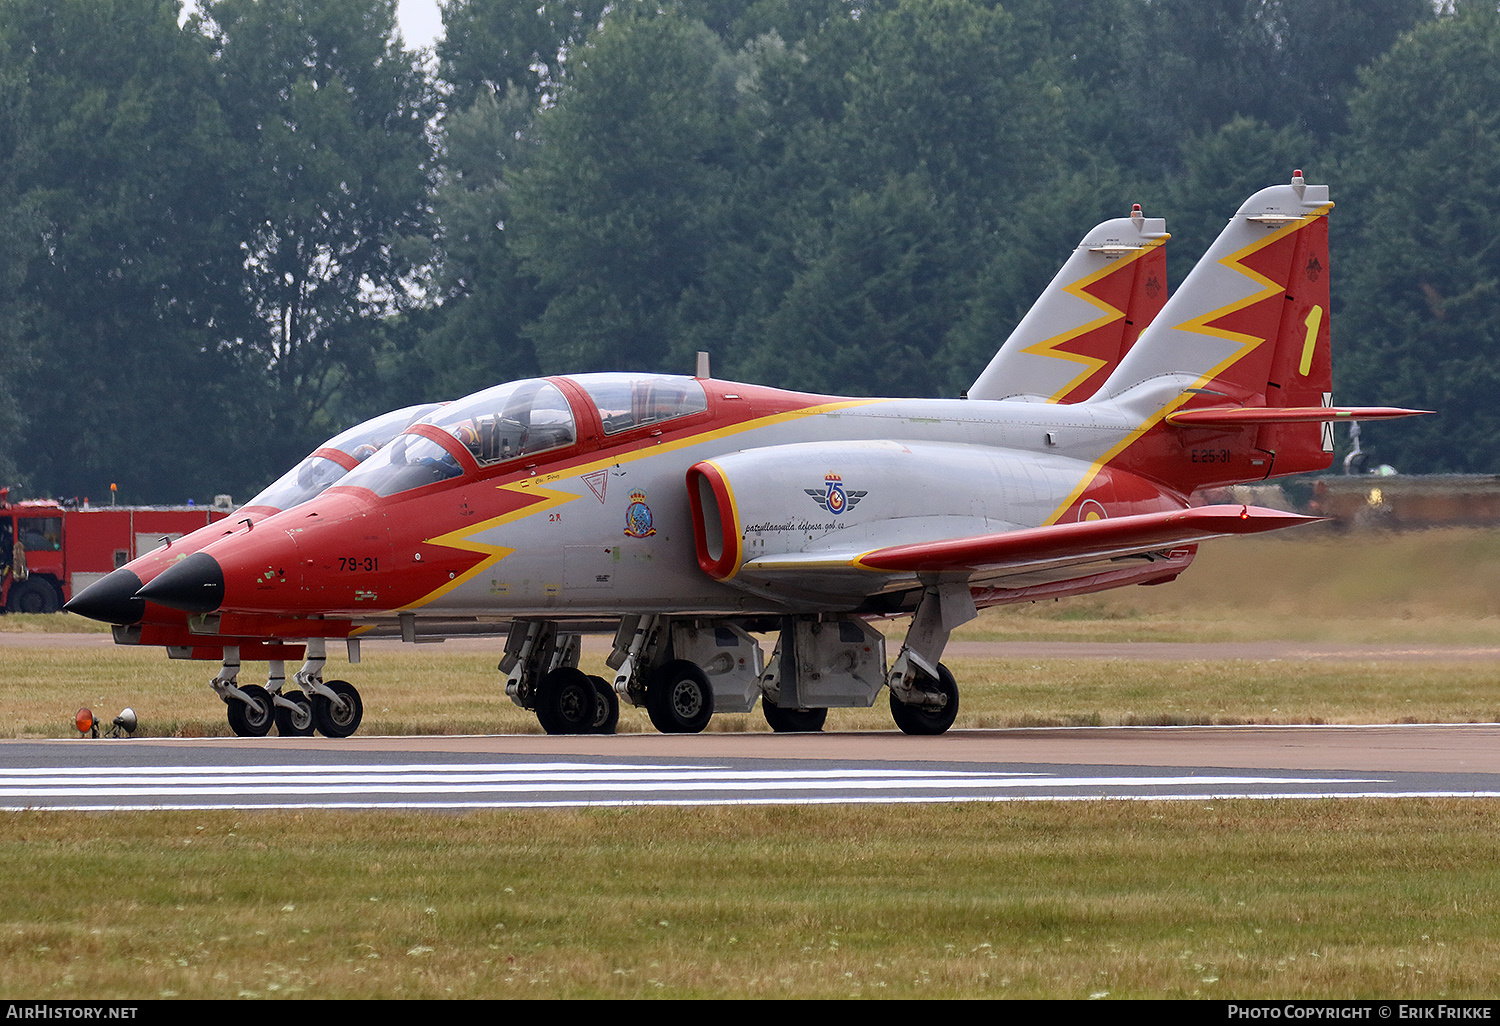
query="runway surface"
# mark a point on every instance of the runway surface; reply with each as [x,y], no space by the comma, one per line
[531,771]
[513,771]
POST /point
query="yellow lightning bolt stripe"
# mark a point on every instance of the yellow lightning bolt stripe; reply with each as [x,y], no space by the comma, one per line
[536,486]
[1108,315]
[1200,325]
[462,539]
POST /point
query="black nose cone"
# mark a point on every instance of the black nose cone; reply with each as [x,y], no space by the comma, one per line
[194,585]
[110,599]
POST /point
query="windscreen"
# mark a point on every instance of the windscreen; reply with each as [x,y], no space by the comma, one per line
[519,418]
[316,473]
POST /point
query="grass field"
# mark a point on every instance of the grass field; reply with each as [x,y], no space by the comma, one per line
[1279,899]
[1284,899]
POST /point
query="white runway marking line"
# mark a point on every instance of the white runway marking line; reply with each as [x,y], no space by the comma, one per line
[661,784]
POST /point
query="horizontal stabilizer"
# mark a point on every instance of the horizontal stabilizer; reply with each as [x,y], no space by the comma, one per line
[1245,416]
[1031,548]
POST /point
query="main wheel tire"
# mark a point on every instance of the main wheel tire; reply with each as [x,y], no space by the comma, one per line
[255,718]
[793,721]
[607,711]
[296,722]
[914,719]
[679,699]
[565,702]
[33,596]
[341,718]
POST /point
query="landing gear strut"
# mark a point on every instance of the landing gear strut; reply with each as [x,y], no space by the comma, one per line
[542,674]
[248,708]
[334,709]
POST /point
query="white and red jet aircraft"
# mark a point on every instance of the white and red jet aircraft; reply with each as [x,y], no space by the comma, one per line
[1088,317]
[685,513]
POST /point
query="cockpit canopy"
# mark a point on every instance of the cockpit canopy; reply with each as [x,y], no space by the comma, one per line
[523,418]
[628,401]
[317,472]
[515,419]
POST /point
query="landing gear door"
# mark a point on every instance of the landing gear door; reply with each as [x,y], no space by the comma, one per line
[729,657]
[839,664]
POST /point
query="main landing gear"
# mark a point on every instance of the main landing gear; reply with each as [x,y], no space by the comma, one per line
[933,708]
[332,708]
[682,672]
[542,674]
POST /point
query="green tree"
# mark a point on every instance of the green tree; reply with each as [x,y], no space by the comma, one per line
[330,116]
[1417,304]
[477,336]
[120,271]
[874,298]
[620,207]
[1198,64]
[915,143]
[491,45]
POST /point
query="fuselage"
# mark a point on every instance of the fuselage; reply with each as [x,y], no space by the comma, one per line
[599,519]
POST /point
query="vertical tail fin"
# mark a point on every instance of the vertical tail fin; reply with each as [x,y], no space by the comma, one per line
[1232,382]
[1090,315]
[1248,328]
[1219,331]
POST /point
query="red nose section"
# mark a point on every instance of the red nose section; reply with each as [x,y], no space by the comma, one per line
[337,556]
[257,568]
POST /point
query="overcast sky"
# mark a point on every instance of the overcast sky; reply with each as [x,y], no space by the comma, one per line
[420,21]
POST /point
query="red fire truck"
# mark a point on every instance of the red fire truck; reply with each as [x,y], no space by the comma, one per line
[49,550]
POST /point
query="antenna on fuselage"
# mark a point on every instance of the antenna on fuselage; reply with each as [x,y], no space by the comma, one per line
[702,371]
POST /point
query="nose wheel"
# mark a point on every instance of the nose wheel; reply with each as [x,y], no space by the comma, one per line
[340,715]
[294,715]
[252,716]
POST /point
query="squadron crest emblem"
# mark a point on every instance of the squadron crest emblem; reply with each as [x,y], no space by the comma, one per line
[834,498]
[638,517]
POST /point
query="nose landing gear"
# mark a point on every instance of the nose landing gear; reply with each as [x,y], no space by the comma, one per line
[333,709]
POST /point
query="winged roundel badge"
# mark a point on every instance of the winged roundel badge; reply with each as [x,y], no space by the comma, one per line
[835,499]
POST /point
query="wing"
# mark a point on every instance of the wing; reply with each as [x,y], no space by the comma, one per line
[987,558]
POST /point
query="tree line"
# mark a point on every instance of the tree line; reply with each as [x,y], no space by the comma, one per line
[225,237]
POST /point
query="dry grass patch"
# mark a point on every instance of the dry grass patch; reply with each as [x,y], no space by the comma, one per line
[1310,584]
[424,690]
